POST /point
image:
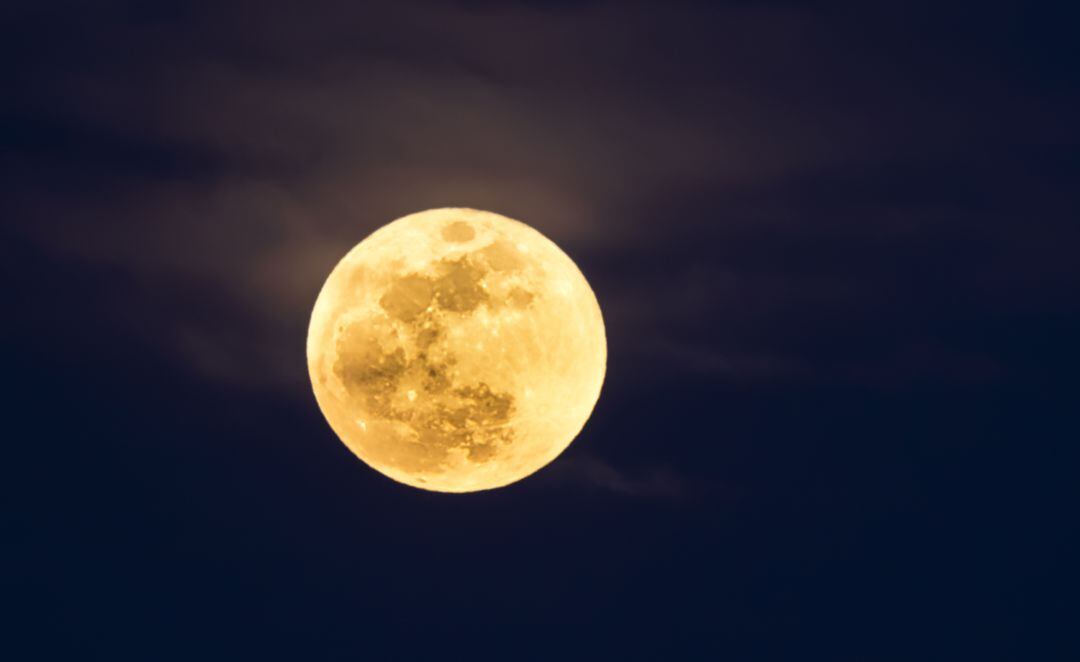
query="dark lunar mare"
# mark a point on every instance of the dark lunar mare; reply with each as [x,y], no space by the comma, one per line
[445,414]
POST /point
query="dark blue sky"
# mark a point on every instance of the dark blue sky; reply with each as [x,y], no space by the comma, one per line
[835,247]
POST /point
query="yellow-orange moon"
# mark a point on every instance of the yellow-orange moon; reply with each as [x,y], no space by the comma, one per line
[456,350]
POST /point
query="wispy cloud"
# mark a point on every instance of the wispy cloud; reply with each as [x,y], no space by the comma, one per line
[592,472]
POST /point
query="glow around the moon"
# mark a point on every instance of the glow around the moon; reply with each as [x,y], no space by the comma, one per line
[456,350]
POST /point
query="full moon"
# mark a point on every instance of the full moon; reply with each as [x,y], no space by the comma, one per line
[456,350]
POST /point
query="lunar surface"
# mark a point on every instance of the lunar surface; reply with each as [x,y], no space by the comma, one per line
[456,350]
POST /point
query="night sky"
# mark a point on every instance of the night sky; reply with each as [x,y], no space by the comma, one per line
[836,248]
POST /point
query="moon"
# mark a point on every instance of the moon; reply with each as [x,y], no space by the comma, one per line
[456,350]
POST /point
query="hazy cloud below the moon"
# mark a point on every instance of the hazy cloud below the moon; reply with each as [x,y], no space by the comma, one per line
[589,470]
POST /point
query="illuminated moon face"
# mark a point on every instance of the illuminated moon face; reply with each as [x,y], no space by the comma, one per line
[456,350]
